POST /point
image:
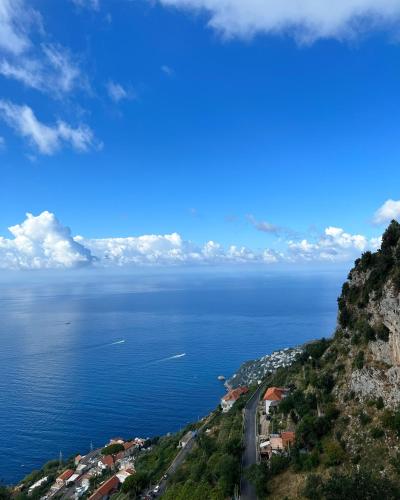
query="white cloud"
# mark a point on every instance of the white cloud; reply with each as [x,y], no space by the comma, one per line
[335,245]
[45,138]
[2,143]
[263,226]
[16,18]
[42,243]
[53,70]
[117,92]
[90,4]
[306,20]
[388,211]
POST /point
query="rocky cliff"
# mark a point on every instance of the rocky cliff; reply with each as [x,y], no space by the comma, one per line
[369,322]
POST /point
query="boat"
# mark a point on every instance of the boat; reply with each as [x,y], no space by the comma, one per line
[221,378]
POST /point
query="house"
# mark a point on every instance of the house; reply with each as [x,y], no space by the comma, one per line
[122,475]
[276,442]
[288,438]
[107,461]
[77,459]
[63,478]
[37,484]
[106,489]
[73,478]
[273,397]
[186,438]
[117,440]
[81,468]
[230,399]
[129,448]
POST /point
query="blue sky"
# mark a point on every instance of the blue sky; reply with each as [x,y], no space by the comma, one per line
[128,118]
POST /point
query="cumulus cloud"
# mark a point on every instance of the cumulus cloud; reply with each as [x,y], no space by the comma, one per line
[42,243]
[306,20]
[47,139]
[335,245]
[388,211]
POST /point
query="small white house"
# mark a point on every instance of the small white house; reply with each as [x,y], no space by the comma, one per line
[273,397]
[230,399]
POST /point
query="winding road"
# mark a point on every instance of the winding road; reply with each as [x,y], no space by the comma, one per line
[249,457]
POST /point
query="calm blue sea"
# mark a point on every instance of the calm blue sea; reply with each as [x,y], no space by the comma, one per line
[87,358]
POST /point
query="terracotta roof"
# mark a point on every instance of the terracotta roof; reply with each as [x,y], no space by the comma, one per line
[105,489]
[107,460]
[65,475]
[288,438]
[235,394]
[274,394]
[128,445]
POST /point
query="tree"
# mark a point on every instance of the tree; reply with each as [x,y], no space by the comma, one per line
[113,450]
[135,484]
[258,475]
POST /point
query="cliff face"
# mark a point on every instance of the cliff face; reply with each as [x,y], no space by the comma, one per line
[369,321]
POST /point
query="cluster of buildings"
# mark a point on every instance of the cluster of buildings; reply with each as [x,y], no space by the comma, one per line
[273,443]
[254,371]
[76,482]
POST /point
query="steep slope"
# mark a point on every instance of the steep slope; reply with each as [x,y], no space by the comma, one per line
[345,395]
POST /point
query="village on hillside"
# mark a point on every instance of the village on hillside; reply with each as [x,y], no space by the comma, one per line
[270,437]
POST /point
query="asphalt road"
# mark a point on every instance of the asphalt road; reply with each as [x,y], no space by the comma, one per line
[178,460]
[249,457]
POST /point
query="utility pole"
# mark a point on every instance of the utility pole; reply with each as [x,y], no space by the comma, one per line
[60,458]
[91,445]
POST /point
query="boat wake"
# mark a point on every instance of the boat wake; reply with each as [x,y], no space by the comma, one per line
[172,357]
[118,342]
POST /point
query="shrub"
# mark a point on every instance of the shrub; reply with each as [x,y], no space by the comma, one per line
[382,332]
[379,403]
[377,432]
[364,418]
[359,360]
[334,453]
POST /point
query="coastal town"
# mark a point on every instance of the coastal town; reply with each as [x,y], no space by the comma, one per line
[115,462]
[103,472]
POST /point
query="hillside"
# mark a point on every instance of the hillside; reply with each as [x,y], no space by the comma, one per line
[344,395]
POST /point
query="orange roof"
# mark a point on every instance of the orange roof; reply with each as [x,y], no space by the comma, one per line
[108,460]
[65,475]
[105,489]
[288,438]
[235,394]
[128,445]
[274,394]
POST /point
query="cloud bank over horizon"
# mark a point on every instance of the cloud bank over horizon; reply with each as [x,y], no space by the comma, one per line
[304,20]
[42,242]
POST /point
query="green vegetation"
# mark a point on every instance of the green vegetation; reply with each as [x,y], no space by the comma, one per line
[212,470]
[112,449]
[358,485]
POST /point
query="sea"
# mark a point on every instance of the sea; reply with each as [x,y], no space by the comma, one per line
[88,357]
